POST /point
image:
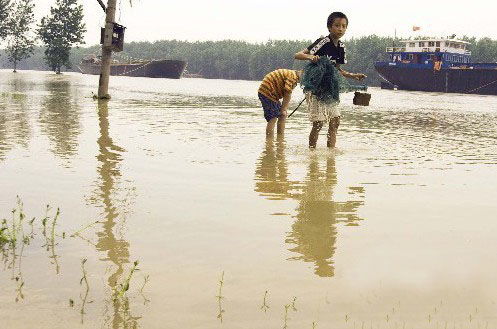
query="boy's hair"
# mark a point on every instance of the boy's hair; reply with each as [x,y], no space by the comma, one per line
[334,15]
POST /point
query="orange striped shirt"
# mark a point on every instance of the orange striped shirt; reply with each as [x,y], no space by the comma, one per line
[277,83]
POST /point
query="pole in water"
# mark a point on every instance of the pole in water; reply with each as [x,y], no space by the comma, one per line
[297,107]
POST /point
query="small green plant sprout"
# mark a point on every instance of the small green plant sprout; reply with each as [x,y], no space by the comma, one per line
[286,318]
[220,297]
[264,305]
[4,233]
[45,219]
[20,295]
[50,242]
[77,233]
[84,296]
[146,278]
[10,235]
[53,226]
[346,317]
[293,304]
[84,277]
[314,325]
[71,302]
[121,288]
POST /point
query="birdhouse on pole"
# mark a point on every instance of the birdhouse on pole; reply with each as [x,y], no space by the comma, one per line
[114,39]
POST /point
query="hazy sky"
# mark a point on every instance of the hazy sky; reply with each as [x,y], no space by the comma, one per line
[260,20]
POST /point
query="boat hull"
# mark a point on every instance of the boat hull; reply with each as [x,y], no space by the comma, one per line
[172,69]
[448,80]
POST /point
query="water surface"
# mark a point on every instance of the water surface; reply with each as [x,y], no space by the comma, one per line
[393,229]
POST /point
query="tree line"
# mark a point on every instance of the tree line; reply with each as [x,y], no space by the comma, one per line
[58,31]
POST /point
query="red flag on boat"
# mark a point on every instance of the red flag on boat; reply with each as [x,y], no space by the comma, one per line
[416,28]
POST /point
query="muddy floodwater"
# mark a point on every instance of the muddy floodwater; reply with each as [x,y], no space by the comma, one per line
[167,208]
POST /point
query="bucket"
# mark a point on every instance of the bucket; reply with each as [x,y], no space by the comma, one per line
[361,98]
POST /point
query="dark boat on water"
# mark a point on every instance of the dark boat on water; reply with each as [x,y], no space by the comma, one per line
[166,68]
[437,65]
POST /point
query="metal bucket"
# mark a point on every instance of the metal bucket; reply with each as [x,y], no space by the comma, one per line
[361,98]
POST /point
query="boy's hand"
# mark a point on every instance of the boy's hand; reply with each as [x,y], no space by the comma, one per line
[360,76]
[314,58]
[284,113]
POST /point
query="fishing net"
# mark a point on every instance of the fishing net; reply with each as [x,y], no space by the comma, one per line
[324,81]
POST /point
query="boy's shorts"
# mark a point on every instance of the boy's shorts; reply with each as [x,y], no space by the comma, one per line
[271,108]
[320,111]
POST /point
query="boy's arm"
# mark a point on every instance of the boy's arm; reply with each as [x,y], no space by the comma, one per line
[287,96]
[304,55]
[356,76]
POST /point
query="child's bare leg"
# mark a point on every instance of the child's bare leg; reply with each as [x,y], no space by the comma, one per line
[332,131]
[280,130]
[313,136]
[270,127]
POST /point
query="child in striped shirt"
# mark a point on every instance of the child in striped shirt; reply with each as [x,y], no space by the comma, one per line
[277,85]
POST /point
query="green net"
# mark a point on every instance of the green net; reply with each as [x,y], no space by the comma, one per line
[324,81]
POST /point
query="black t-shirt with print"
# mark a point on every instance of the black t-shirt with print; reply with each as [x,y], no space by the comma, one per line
[325,47]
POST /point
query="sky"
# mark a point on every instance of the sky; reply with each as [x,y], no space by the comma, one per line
[261,20]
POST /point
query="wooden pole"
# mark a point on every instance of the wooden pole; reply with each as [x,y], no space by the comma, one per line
[103,83]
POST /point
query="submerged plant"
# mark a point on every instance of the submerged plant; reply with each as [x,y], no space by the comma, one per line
[121,302]
[121,288]
[146,278]
[264,305]
[293,304]
[77,233]
[50,242]
[220,297]
[286,318]
[87,289]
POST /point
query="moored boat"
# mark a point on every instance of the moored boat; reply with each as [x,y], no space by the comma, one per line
[165,68]
[437,65]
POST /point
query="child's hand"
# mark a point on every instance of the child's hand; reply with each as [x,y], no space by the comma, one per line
[284,113]
[314,58]
[360,76]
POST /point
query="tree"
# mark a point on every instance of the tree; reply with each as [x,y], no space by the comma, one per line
[4,14]
[20,43]
[60,30]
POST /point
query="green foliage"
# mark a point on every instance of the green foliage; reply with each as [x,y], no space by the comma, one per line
[363,52]
[60,30]
[485,50]
[230,59]
[5,7]
[20,43]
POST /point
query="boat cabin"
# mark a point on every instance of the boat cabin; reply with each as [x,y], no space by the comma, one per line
[446,52]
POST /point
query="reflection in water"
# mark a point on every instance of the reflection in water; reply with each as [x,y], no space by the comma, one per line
[271,173]
[314,233]
[14,118]
[116,248]
[59,117]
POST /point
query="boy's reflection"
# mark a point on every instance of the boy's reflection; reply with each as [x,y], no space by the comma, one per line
[271,172]
[314,232]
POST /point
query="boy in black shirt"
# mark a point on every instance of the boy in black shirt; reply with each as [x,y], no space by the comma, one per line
[331,47]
